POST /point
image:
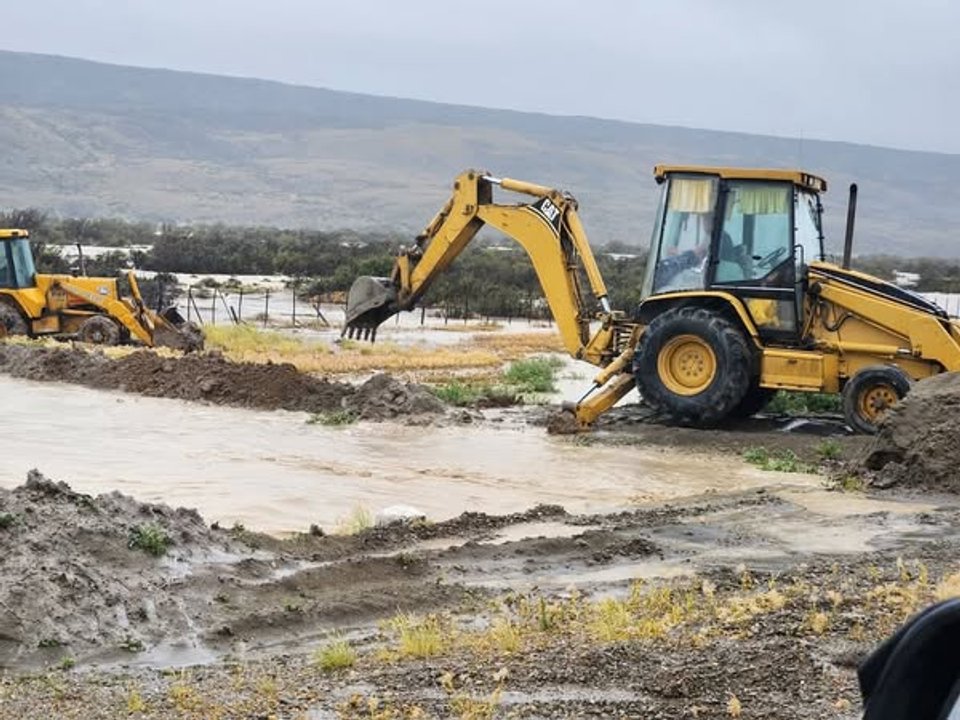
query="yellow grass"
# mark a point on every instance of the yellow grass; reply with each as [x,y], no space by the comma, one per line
[481,354]
[512,346]
[247,344]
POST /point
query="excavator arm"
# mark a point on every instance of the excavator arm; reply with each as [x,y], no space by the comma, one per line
[549,230]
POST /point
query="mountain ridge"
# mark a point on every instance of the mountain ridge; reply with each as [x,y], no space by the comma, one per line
[87,138]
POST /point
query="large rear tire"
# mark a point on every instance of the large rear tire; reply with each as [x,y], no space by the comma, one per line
[99,330]
[11,321]
[693,365]
[870,393]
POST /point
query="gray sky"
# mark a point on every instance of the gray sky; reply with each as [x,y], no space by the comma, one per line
[884,72]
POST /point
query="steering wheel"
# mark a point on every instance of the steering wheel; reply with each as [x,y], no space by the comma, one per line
[770,259]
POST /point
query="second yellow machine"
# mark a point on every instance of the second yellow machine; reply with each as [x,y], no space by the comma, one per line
[90,309]
[737,302]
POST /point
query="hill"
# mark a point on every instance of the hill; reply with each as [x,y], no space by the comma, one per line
[83,138]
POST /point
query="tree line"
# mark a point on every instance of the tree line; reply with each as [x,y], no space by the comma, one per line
[487,279]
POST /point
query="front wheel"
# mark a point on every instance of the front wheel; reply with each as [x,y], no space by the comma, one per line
[870,393]
[99,330]
[11,321]
[693,365]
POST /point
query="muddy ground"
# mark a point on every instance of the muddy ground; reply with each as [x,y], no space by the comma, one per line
[754,605]
[533,615]
[210,377]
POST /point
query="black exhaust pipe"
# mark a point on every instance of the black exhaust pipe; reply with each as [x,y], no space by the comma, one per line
[851,218]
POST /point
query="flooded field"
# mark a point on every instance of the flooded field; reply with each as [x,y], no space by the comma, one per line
[275,472]
[641,570]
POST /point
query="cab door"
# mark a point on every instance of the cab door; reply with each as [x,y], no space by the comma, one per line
[754,256]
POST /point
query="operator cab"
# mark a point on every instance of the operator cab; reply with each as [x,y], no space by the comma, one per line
[747,232]
[16,260]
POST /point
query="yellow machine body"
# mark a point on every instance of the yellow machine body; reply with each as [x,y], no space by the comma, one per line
[755,317]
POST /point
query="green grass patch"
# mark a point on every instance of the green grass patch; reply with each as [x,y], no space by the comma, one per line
[7,520]
[787,402]
[152,539]
[535,375]
[466,394]
[829,449]
[779,460]
[334,418]
[459,394]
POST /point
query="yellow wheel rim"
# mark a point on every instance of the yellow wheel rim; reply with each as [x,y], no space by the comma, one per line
[687,365]
[876,400]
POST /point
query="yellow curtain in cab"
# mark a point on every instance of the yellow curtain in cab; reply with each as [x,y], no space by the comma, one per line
[764,200]
[692,196]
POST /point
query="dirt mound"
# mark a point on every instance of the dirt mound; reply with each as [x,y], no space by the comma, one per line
[89,572]
[210,377]
[383,397]
[917,443]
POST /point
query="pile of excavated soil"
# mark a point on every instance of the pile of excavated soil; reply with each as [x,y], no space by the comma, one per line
[917,445]
[210,377]
[76,572]
[383,397]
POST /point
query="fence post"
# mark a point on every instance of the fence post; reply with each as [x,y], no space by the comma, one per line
[213,309]
[266,307]
[189,299]
[240,305]
[294,303]
[423,314]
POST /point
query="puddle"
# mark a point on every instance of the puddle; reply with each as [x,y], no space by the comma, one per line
[845,504]
[271,471]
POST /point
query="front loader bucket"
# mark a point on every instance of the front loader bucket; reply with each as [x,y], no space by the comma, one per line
[171,330]
[370,301]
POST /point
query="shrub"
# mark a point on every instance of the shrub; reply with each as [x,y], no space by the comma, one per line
[152,539]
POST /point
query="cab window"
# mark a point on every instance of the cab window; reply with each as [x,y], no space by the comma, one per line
[756,243]
[807,215]
[686,233]
[6,278]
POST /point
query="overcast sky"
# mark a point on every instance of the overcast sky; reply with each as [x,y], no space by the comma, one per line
[884,72]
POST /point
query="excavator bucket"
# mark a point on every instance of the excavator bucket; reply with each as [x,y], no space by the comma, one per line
[371,301]
[171,330]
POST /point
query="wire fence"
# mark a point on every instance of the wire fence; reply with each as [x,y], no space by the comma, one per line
[284,308]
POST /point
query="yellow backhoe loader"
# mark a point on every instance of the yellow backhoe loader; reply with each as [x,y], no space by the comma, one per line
[737,302]
[89,309]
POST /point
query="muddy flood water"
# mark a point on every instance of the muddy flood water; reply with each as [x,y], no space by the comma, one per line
[275,472]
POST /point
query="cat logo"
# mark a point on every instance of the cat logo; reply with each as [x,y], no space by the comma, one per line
[546,210]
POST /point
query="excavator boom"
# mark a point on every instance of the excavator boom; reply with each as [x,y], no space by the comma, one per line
[550,231]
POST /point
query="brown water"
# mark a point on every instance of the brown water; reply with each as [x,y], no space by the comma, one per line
[273,472]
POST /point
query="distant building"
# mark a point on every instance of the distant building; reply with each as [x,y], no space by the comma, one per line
[905,279]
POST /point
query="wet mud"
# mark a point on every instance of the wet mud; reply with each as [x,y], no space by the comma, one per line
[659,577]
[248,611]
[211,378]
[917,446]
